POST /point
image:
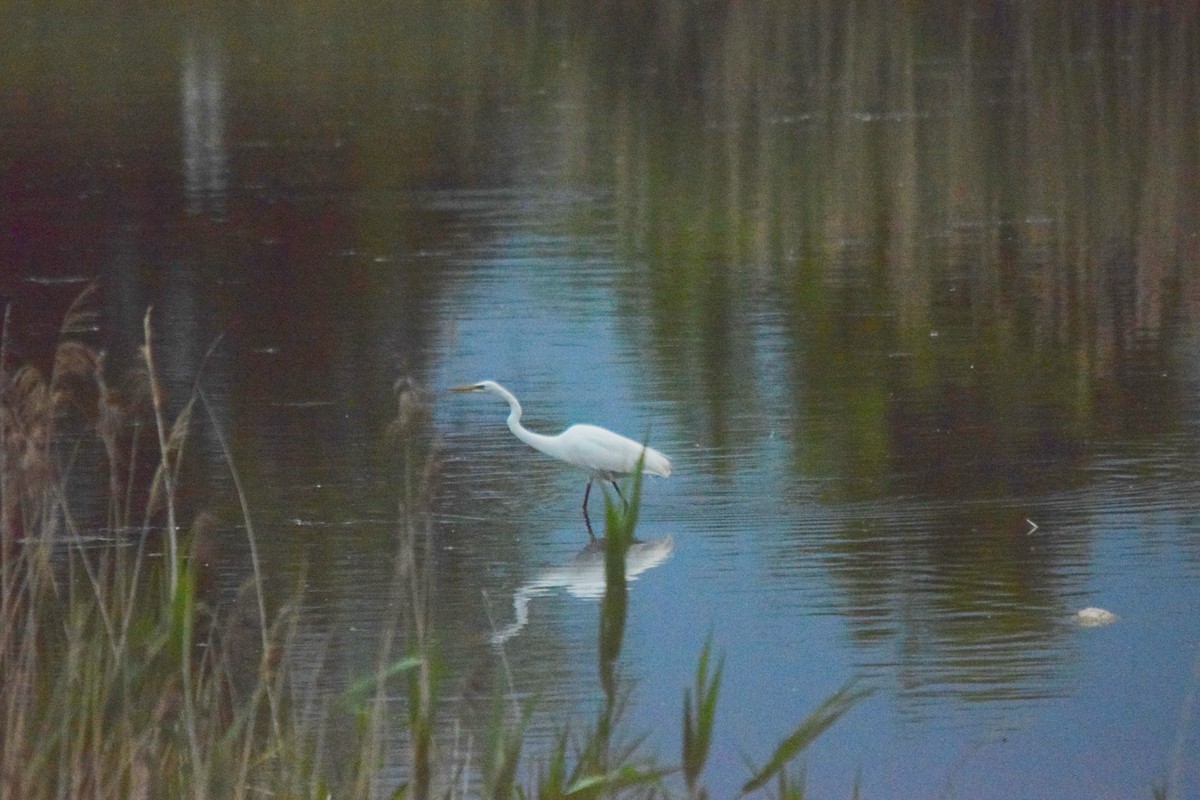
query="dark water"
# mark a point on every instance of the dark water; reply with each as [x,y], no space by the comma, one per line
[909,298]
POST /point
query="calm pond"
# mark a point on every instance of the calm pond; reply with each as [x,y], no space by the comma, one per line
[910,298]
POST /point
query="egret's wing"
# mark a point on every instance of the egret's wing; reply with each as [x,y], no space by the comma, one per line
[600,450]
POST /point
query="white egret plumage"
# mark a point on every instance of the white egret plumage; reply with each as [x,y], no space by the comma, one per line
[604,454]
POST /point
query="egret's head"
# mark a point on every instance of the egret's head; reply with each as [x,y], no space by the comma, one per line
[482,386]
[491,387]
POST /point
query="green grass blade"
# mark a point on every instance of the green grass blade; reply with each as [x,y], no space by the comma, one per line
[553,780]
[813,726]
[699,716]
[504,750]
[356,692]
[623,777]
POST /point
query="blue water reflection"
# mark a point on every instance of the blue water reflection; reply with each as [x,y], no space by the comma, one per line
[887,301]
[955,608]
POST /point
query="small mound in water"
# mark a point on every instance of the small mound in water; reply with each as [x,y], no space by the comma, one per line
[1092,617]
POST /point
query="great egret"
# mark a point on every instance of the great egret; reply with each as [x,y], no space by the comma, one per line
[604,454]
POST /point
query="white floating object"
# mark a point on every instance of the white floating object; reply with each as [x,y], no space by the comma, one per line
[1092,617]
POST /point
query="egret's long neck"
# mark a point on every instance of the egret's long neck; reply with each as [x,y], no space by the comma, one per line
[534,440]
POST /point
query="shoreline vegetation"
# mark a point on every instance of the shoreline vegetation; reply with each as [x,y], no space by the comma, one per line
[122,676]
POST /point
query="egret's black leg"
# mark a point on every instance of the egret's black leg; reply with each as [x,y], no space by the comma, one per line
[587,521]
[618,488]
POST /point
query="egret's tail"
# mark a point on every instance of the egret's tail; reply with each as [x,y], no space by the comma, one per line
[656,463]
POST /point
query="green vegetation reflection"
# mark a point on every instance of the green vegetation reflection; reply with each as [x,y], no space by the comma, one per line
[124,676]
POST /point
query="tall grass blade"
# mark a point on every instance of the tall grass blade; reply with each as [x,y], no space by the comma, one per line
[618,535]
[619,525]
[552,783]
[614,605]
[813,726]
[789,788]
[626,776]
[81,315]
[504,750]
[355,694]
[420,728]
[164,464]
[699,717]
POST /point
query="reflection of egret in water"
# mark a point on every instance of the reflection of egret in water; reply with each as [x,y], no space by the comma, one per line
[583,576]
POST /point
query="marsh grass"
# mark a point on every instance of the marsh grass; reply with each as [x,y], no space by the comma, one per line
[116,676]
[121,677]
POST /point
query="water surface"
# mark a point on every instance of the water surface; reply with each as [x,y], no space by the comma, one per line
[909,299]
